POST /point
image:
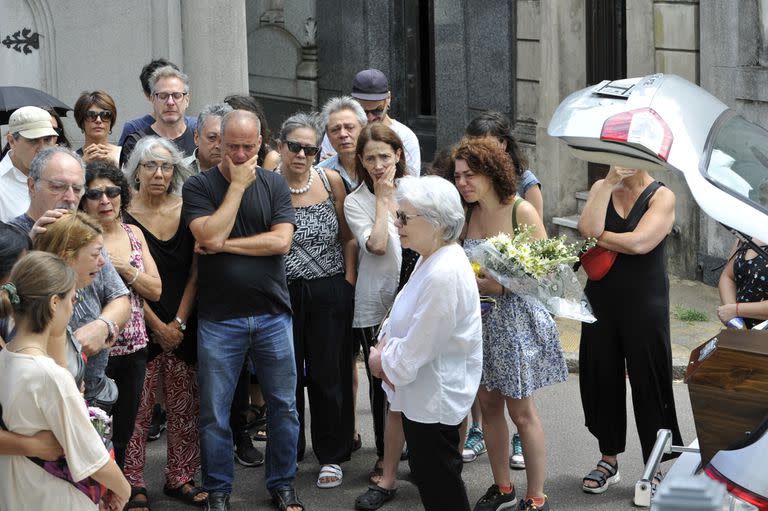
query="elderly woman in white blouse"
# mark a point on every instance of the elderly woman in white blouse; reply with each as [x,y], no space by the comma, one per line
[430,352]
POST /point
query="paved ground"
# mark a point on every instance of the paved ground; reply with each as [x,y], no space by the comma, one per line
[571,450]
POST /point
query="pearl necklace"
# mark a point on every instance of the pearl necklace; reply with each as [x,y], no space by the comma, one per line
[303,189]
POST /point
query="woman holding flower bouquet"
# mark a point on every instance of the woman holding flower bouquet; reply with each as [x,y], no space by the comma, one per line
[521,345]
[630,213]
[37,394]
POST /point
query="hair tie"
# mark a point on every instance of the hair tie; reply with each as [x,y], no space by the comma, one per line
[13,295]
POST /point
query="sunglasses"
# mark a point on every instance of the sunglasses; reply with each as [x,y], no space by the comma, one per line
[104,115]
[295,147]
[403,217]
[95,193]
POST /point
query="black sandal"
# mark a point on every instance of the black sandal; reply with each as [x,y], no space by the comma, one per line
[604,478]
[138,504]
[186,496]
[286,497]
[374,498]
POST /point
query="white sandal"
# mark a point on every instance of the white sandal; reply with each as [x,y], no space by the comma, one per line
[331,472]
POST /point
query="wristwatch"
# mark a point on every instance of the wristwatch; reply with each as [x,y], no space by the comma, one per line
[111,328]
[182,325]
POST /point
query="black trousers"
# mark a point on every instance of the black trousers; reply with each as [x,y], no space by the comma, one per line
[128,372]
[635,336]
[366,338]
[322,329]
[436,465]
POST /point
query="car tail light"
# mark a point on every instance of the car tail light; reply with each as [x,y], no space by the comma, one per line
[758,502]
[643,126]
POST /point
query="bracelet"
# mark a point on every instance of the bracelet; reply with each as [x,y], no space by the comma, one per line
[737,309]
[135,278]
[111,328]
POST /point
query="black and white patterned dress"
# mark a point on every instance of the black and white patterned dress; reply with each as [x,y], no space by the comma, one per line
[316,249]
[751,277]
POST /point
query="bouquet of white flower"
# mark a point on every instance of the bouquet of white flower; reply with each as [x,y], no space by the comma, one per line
[540,269]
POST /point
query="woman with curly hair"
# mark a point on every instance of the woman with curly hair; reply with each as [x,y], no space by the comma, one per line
[107,195]
[521,345]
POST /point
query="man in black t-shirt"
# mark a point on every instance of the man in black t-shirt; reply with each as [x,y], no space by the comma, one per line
[243,221]
[170,99]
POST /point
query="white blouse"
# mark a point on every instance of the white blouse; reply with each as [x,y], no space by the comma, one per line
[377,275]
[433,353]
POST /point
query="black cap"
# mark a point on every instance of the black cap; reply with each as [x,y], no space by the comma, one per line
[370,85]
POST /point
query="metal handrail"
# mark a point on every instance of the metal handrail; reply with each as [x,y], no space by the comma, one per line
[663,445]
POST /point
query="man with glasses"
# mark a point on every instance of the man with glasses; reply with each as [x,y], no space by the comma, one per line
[140,124]
[30,129]
[371,89]
[170,99]
[56,184]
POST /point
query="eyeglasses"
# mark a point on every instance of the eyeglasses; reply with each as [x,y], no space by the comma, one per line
[104,115]
[59,187]
[378,112]
[152,166]
[295,147]
[163,96]
[403,217]
[95,193]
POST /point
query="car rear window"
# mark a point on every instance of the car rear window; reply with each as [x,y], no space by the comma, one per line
[738,160]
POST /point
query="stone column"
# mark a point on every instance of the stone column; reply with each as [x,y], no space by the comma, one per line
[450,71]
[563,71]
[215,50]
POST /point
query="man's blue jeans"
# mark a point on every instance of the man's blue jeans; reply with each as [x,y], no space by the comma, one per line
[221,350]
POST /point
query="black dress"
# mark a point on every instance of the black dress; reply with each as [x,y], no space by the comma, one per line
[173,258]
[751,277]
[631,304]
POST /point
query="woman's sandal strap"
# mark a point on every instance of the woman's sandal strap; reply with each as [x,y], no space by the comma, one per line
[612,469]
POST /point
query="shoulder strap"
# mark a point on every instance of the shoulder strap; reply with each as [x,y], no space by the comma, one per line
[326,183]
[639,208]
[466,223]
[515,226]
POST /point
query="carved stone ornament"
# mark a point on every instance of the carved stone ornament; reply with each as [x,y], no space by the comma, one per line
[310,32]
[23,41]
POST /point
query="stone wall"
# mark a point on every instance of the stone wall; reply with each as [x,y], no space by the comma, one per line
[734,67]
[77,51]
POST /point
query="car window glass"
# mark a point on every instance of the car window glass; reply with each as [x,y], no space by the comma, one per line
[739,160]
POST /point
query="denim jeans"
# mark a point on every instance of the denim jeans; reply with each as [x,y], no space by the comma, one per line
[222,347]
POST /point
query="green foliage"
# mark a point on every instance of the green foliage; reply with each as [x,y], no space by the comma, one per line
[688,313]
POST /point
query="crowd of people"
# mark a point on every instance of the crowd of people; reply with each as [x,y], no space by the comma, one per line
[201,267]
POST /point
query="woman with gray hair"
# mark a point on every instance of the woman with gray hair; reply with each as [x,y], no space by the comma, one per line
[320,268]
[154,168]
[429,353]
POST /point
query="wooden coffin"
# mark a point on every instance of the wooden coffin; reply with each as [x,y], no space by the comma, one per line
[727,379]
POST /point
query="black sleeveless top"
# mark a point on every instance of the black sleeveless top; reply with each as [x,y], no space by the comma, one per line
[751,277]
[173,258]
[638,278]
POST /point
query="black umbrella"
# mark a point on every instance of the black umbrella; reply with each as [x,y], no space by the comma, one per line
[13,98]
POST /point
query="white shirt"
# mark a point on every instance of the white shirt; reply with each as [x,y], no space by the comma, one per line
[377,275]
[39,395]
[14,195]
[410,145]
[434,340]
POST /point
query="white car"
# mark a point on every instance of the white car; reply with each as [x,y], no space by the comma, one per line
[663,122]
